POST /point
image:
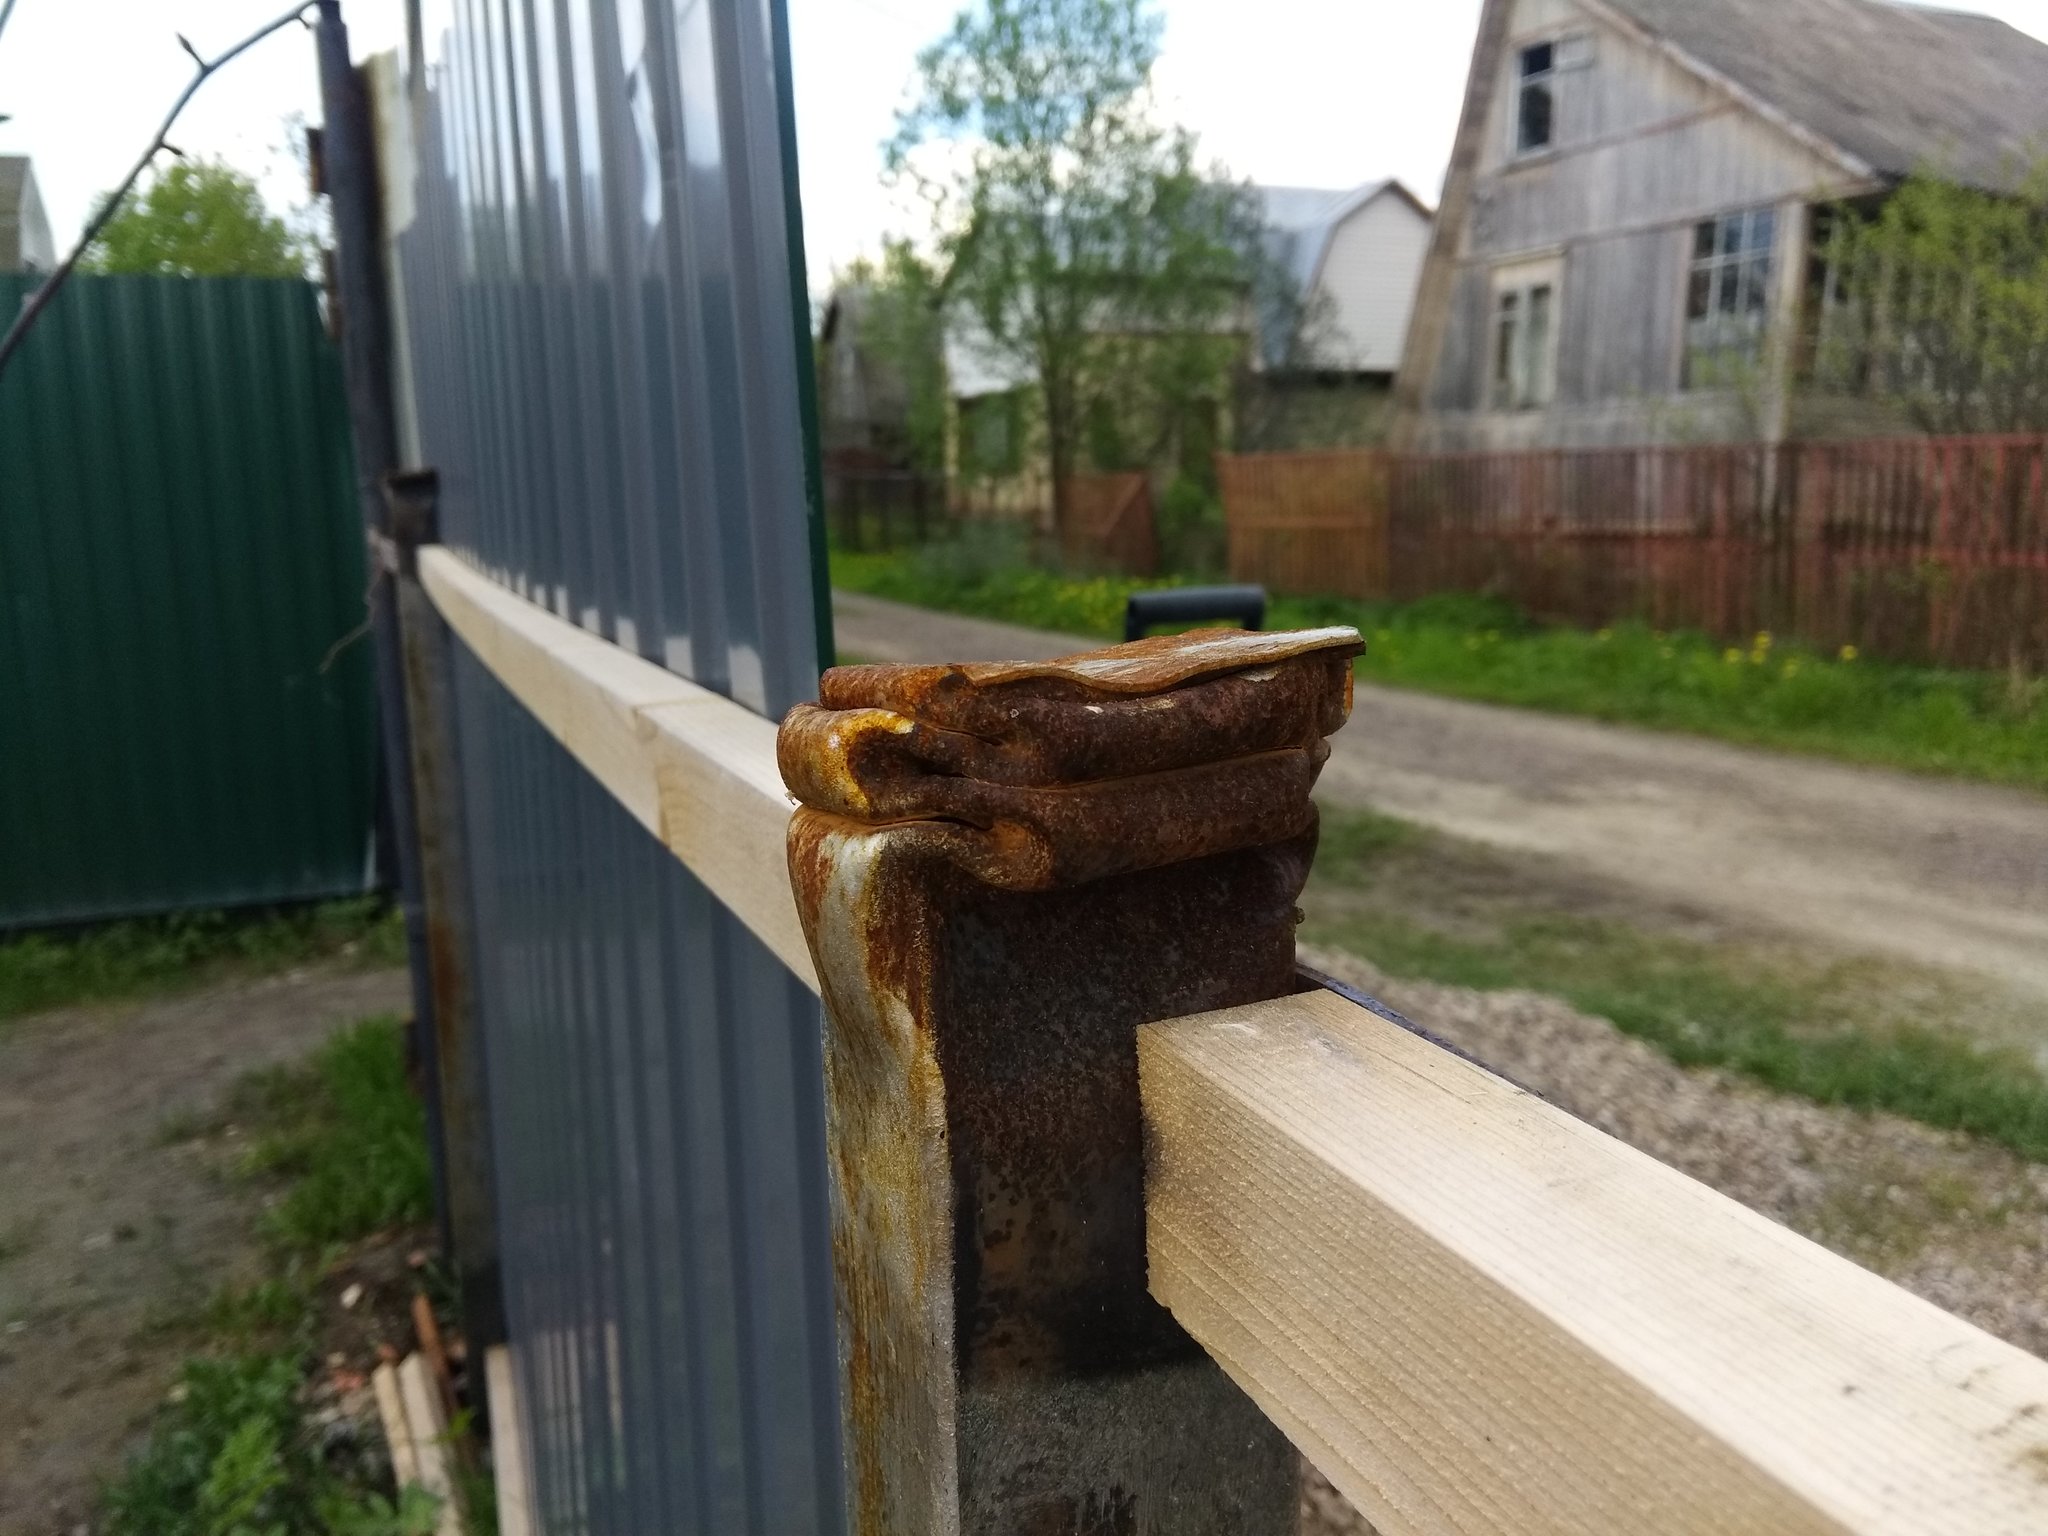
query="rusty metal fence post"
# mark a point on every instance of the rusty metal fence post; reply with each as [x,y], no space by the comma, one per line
[426,647]
[416,712]
[347,171]
[1003,870]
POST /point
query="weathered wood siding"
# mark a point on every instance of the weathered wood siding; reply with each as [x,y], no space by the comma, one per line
[1645,149]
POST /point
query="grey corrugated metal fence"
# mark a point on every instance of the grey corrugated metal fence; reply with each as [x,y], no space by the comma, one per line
[603,305]
[181,724]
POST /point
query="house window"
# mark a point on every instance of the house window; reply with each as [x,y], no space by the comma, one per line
[1541,70]
[1536,98]
[1524,341]
[1728,297]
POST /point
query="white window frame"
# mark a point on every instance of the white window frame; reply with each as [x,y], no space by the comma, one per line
[1731,270]
[1522,327]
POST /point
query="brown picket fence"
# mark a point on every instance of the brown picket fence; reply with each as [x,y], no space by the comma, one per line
[1110,524]
[1916,549]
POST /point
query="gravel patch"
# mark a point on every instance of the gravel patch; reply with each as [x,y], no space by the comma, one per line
[1963,1224]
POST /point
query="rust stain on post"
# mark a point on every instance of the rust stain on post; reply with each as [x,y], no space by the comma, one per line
[1003,871]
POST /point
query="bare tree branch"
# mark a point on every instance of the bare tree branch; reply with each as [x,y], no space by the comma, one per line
[6,11]
[38,301]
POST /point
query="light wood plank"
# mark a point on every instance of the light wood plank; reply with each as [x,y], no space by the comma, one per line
[508,1445]
[693,767]
[1477,1314]
[429,1425]
[405,1467]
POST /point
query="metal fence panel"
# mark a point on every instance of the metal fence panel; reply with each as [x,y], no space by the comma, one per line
[181,721]
[604,307]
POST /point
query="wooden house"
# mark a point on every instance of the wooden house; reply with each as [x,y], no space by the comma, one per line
[1626,248]
[863,398]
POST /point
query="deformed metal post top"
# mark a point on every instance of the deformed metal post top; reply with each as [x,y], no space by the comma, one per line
[1044,774]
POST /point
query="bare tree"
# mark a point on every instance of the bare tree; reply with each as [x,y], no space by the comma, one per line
[204,70]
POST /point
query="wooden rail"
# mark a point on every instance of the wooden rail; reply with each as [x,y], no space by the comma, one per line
[694,768]
[1477,1314]
[1474,1313]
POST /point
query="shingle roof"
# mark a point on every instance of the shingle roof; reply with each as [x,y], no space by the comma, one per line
[1899,87]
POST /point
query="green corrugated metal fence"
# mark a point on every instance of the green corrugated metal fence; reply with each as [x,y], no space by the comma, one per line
[184,719]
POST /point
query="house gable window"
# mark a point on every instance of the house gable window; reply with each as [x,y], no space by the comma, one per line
[1524,342]
[1540,70]
[1535,98]
[1728,297]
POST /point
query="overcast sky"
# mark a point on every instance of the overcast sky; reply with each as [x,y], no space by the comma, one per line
[1307,92]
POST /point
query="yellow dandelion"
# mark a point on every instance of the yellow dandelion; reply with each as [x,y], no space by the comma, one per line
[1763,640]
[1604,636]
[1849,653]
[1732,655]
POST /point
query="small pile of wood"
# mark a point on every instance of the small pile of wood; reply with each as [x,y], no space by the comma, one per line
[433,1446]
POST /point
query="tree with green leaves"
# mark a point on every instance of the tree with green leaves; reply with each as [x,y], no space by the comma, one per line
[1074,228]
[199,219]
[1938,303]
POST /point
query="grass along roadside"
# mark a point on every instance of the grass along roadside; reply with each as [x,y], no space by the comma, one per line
[1978,725]
[343,1137]
[1844,1031]
[153,955]
[339,1144]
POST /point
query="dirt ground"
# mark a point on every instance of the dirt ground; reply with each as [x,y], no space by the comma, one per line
[111,1229]
[1921,869]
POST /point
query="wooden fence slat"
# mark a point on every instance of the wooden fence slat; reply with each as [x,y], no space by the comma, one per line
[1904,548]
[693,767]
[1478,1315]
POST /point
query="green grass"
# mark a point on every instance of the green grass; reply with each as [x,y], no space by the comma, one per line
[1834,1031]
[230,1454]
[1766,692]
[346,1134]
[145,955]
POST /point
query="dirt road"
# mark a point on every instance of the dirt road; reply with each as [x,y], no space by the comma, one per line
[111,1231]
[1921,869]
